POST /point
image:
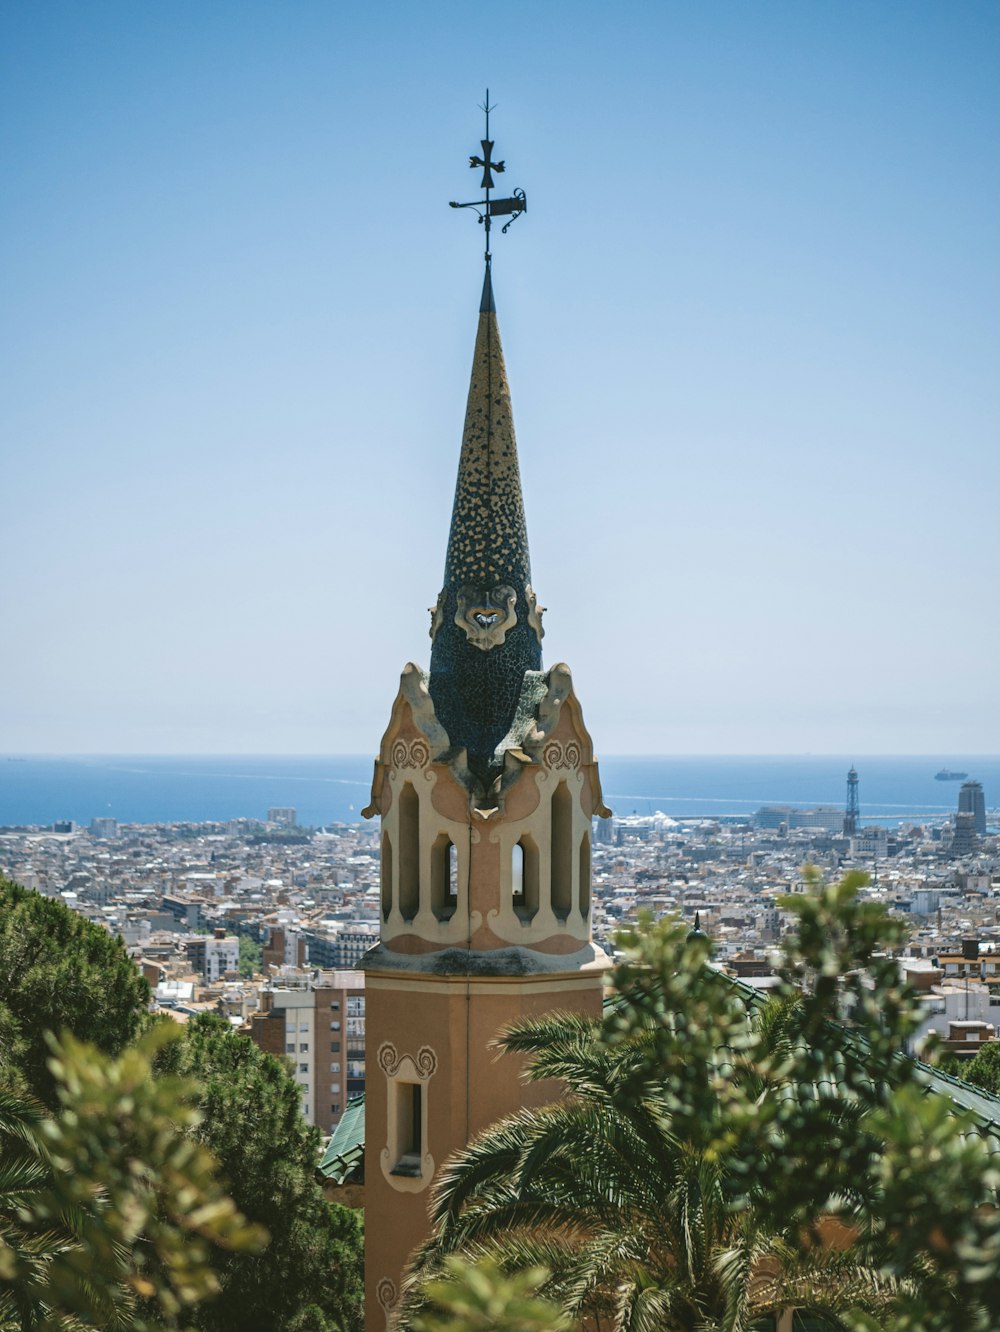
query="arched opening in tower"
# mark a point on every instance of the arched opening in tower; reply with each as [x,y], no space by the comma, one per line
[585,876]
[409,851]
[562,851]
[524,878]
[444,877]
[385,873]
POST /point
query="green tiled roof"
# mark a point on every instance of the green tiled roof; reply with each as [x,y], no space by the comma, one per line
[344,1159]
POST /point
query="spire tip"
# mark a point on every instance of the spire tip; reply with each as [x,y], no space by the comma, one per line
[487,305]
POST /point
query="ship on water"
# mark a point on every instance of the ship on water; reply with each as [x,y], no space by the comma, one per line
[946,775]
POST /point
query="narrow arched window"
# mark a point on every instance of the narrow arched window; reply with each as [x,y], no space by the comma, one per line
[562,851]
[409,851]
[385,872]
[585,876]
[524,877]
[444,877]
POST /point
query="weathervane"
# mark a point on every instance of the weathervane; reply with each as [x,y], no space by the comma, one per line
[488,208]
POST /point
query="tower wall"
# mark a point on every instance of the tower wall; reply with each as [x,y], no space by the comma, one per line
[437,1032]
[505,935]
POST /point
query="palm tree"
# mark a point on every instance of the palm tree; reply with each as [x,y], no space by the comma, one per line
[25,1249]
[636,1225]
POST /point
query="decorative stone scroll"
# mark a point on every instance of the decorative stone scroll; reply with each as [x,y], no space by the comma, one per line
[556,755]
[389,1060]
[387,1295]
[437,614]
[410,754]
[535,612]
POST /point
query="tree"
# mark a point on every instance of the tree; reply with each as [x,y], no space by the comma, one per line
[59,972]
[983,1070]
[482,1298]
[108,1210]
[309,1279]
[251,956]
[635,1224]
[708,1164]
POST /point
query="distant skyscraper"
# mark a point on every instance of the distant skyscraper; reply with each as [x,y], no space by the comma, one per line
[972,801]
[852,816]
[965,841]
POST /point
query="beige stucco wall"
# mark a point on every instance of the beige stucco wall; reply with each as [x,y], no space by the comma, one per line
[470,1088]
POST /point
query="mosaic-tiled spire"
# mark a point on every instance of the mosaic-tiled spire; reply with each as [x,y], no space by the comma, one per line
[486,627]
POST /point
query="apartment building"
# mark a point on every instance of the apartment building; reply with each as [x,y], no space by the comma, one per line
[316,1020]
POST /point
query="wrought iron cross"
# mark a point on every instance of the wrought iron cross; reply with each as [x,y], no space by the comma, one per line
[486,209]
[487,181]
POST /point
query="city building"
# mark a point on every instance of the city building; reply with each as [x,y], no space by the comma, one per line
[787,817]
[486,788]
[317,1022]
[284,945]
[964,841]
[213,955]
[342,946]
[870,844]
[283,815]
[971,800]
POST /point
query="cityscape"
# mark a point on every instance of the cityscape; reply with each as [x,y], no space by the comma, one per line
[183,896]
[341,988]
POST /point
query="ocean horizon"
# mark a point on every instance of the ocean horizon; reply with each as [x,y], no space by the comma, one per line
[323,789]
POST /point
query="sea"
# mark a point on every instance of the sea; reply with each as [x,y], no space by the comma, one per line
[323,790]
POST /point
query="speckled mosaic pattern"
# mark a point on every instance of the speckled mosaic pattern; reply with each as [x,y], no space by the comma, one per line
[488,544]
[475,692]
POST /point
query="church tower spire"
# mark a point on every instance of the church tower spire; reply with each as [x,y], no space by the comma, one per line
[486,787]
[486,626]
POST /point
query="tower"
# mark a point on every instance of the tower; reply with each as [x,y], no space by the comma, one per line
[972,801]
[852,815]
[486,787]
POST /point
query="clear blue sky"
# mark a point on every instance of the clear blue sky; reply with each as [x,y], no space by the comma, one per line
[751,324]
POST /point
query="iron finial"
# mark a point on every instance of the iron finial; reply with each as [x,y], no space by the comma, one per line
[488,208]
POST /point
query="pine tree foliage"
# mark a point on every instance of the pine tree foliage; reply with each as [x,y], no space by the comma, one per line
[110,1212]
[309,1279]
[59,972]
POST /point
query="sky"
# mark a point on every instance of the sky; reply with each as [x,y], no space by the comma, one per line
[751,324]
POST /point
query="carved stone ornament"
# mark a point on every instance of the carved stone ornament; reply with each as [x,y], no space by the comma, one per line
[412,754]
[535,612]
[389,1060]
[437,615]
[556,755]
[387,1295]
[486,616]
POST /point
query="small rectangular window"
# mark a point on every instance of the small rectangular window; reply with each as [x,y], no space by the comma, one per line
[303,1046]
[335,1067]
[409,1128]
[416,1116]
[335,1107]
[303,1068]
[334,1026]
[335,1047]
